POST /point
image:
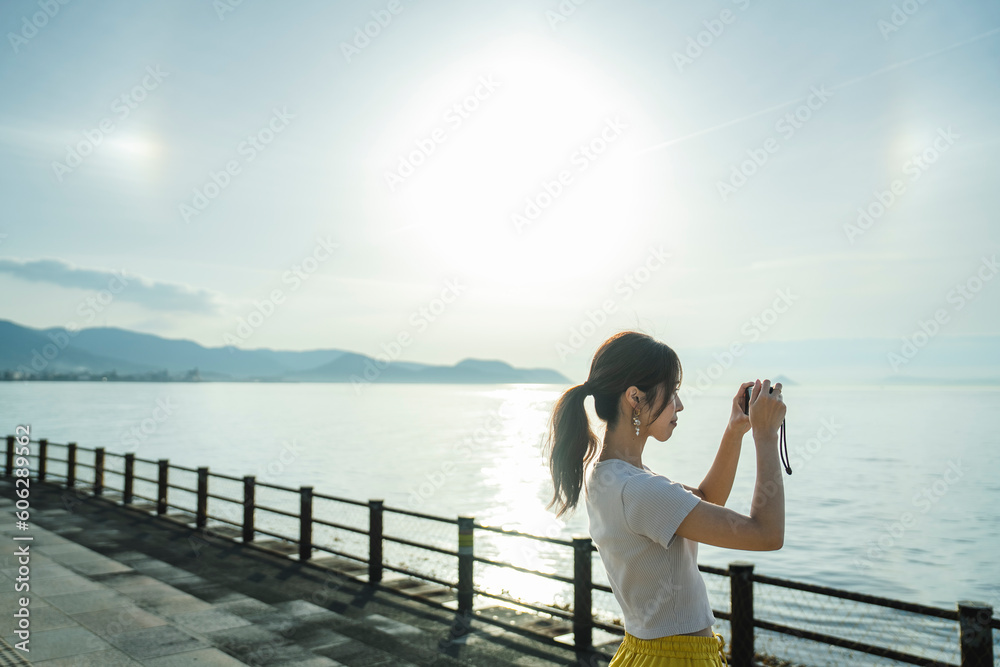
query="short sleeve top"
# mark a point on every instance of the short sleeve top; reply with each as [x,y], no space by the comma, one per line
[634,514]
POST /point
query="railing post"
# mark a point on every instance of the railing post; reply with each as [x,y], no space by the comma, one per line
[43,457]
[161,486]
[99,471]
[741,622]
[583,617]
[466,540]
[305,523]
[976,633]
[201,516]
[9,459]
[249,502]
[375,513]
[129,478]
[71,465]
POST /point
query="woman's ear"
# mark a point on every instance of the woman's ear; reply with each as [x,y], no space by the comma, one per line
[634,397]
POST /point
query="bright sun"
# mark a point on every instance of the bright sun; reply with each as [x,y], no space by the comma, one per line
[517,165]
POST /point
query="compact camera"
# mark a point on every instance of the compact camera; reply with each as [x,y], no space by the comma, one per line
[746,398]
[783,449]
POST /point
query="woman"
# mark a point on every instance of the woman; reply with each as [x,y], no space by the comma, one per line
[647,527]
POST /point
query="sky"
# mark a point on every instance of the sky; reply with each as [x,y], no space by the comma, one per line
[441,180]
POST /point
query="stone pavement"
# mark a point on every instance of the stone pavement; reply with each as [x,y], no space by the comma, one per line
[114,586]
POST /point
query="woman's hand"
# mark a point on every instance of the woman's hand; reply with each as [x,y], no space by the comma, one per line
[739,422]
[766,408]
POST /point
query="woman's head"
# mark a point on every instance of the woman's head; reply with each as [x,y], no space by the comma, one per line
[629,370]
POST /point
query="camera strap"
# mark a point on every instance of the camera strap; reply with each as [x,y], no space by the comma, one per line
[783,448]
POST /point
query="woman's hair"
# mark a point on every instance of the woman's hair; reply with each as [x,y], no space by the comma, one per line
[628,358]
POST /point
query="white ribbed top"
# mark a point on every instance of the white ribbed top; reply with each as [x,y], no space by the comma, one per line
[653,572]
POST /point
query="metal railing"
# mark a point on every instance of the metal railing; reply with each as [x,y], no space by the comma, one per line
[975,620]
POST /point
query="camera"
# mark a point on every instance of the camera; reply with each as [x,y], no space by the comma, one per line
[746,398]
[783,444]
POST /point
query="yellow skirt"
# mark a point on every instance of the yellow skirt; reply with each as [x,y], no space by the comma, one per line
[673,651]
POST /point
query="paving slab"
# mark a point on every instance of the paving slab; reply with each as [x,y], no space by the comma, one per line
[247,608]
[106,566]
[118,620]
[107,658]
[43,584]
[181,603]
[358,654]
[74,603]
[250,643]
[41,617]
[62,643]
[155,642]
[122,580]
[208,620]
[206,657]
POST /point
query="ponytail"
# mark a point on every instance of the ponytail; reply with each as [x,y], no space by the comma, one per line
[626,359]
[572,445]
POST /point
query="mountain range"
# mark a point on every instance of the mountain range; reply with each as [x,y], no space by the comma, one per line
[27,353]
[57,353]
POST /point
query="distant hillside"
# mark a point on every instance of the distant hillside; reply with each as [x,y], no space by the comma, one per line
[102,351]
[468,371]
[179,356]
[34,351]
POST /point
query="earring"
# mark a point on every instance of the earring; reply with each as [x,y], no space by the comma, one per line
[635,419]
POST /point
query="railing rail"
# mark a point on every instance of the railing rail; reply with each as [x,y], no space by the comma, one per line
[975,619]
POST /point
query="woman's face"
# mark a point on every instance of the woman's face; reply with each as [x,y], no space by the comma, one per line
[664,426]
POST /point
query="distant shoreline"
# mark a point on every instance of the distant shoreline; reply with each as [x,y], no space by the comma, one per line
[178,380]
[844,386]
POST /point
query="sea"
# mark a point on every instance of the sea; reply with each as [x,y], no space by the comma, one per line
[894,491]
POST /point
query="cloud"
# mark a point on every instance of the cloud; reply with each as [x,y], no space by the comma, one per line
[149,293]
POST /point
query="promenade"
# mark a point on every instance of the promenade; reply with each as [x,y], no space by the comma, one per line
[112,586]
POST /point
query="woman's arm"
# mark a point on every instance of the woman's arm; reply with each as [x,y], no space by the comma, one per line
[718,482]
[764,528]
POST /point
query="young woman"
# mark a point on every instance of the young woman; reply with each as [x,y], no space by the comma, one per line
[646,526]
